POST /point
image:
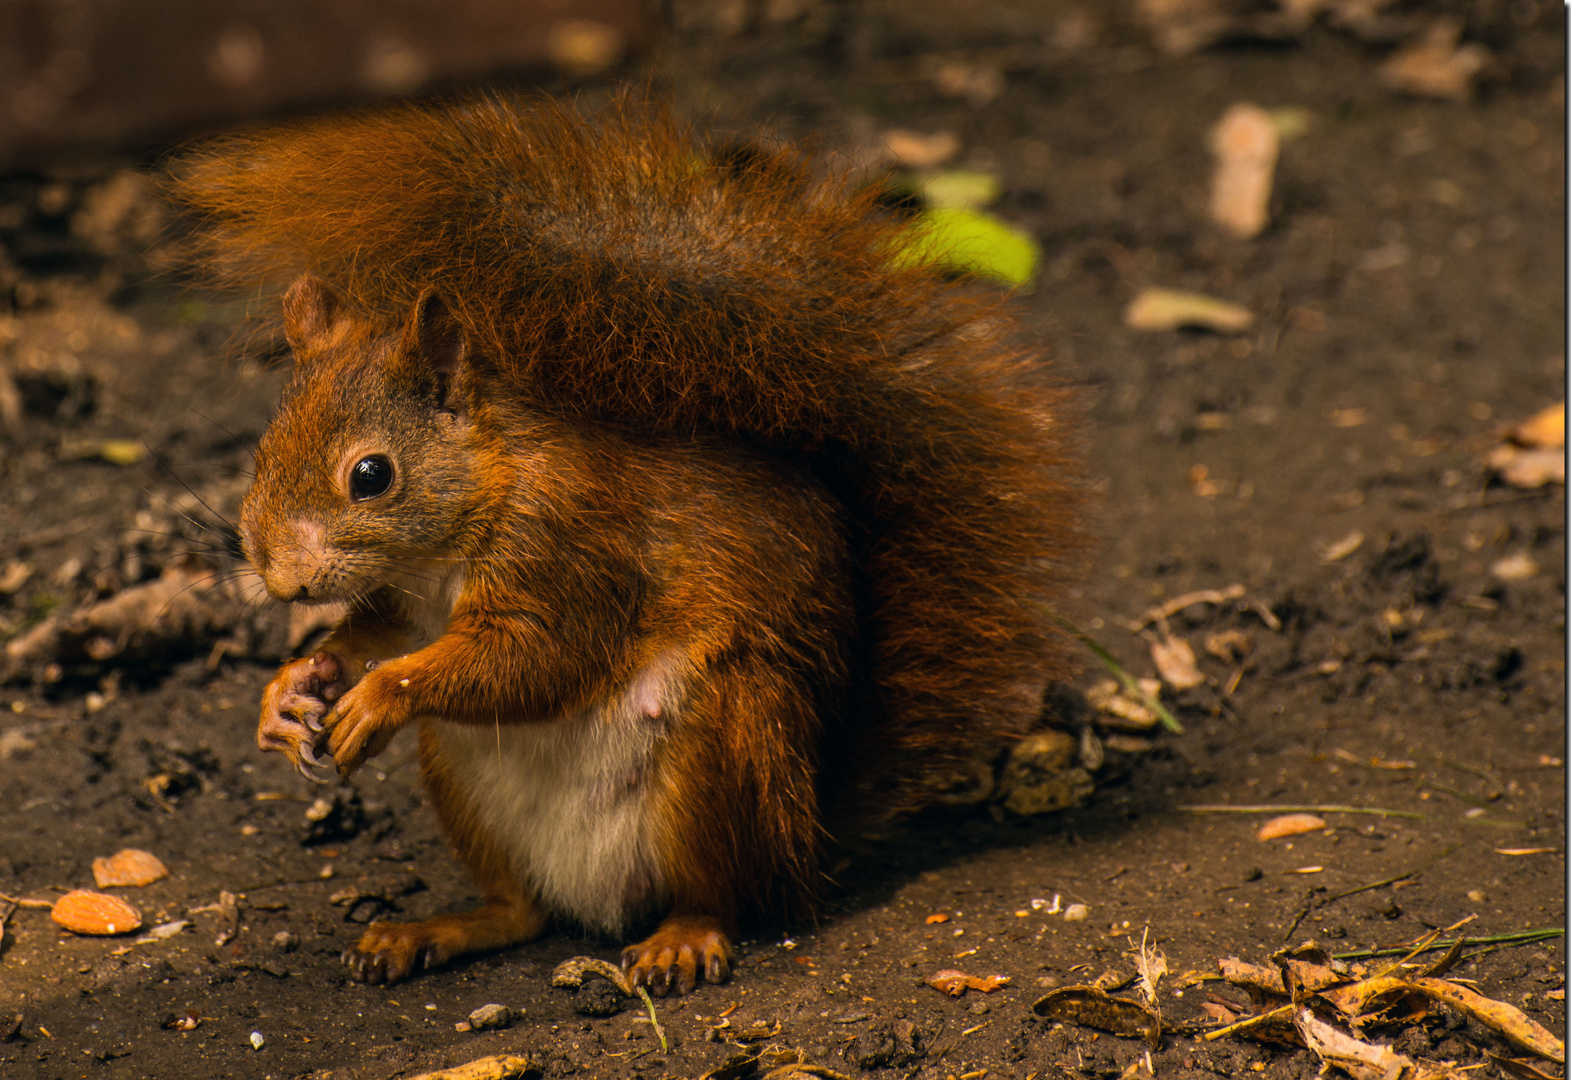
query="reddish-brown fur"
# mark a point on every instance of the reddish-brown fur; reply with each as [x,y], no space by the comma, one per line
[700,411]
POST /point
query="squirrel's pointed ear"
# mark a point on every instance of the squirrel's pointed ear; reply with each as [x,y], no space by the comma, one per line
[435,343]
[311,308]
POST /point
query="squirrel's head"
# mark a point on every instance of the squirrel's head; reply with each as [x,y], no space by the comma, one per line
[364,478]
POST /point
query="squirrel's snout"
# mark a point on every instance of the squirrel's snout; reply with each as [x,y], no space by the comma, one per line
[291,559]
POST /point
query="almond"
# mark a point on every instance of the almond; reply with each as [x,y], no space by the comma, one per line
[1289,825]
[129,867]
[85,912]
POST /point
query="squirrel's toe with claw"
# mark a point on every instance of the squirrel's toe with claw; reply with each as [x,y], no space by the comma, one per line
[677,956]
[391,952]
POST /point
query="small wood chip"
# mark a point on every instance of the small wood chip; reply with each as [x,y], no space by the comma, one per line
[1245,142]
[1175,661]
[1515,567]
[1166,309]
[85,912]
[1528,468]
[1436,66]
[129,867]
[1342,548]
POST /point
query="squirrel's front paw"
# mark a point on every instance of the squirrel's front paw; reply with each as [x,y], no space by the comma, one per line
[294,705]
[365,719]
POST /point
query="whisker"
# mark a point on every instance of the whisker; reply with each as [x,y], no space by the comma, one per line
[243,445]
[179,479]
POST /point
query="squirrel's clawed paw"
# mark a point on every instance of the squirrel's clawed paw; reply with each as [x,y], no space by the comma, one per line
[683,951]
[365,720]
[294,706]
[391,952]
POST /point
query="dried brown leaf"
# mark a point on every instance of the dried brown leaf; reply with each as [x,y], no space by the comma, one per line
[1264,981]
[1361,1060]
[1519,1068]
[1506,1019]
[798,1069]
[1089,1007]
[500,1067]
[1218,1012]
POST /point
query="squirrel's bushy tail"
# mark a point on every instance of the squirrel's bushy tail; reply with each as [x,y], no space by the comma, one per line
[618,267]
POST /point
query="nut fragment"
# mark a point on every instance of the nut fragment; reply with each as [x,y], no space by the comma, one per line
[1289,825]
[1245,143]
[129,867]
[86,912]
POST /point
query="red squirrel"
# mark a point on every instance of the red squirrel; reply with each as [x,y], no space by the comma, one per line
[681,516]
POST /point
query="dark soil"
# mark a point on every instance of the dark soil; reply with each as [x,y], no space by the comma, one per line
[1415,270]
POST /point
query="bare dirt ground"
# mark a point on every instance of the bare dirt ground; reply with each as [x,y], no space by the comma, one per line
[1409,298]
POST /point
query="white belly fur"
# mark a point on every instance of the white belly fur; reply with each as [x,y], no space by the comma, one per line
[568,801]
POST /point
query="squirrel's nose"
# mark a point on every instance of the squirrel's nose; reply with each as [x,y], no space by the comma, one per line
[285,587]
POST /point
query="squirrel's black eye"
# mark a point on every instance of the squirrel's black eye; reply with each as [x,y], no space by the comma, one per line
[370,477]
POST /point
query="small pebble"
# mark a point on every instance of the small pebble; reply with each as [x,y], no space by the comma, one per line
[257,1040]
[487,1017]
[1076,912]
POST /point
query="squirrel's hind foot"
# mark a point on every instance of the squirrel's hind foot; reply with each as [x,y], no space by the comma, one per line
[392,952]
[683,950]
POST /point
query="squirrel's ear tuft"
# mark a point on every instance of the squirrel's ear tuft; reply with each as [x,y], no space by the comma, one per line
[435,344]
[311,308]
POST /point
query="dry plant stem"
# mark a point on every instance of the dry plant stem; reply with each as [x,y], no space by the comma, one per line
[649,1003]
[1455,794]
[1499,941]
[1204,596]
[1392,880]
[1250,1022]
[1224,808]
[1494,782]
[1421,945]
[1127,681]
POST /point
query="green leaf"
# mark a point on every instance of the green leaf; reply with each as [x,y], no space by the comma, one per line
[967,242]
